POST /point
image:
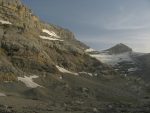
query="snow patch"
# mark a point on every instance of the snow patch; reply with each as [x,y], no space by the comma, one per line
[65,71]
[125,75]
[5,22]
[132,69]
[90,74]
[28,81]
[96,74]
[51,33]
[60,77]
[49,38]
[89,50]
[2,95]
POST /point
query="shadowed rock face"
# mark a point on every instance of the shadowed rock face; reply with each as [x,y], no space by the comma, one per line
[119,48]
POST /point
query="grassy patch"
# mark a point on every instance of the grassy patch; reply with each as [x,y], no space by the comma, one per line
[7,77]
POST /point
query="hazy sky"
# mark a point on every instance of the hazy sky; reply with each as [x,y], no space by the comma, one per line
[100,23]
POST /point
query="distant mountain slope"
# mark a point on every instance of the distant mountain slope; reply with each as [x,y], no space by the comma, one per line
[125,61]
[114,55]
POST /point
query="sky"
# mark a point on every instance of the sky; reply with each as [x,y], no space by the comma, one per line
[100,23]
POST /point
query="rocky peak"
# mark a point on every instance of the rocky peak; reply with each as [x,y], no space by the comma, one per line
[118,49]
[20,16]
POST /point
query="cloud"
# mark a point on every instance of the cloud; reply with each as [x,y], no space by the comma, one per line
[130,21]
[122,15]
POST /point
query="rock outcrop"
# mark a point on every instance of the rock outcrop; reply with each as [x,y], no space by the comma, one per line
[118,49]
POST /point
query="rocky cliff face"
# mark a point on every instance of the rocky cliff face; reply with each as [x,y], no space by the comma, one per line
[29,46]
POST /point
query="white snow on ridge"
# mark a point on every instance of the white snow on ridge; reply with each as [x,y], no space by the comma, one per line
[89,50]
[73,73]
[65,71]
[28,81]
[5,22]
[137,54]
[2,95]
[49,38]
[112,59]
[132,69]
[90,74]
[51,33]
[60,77]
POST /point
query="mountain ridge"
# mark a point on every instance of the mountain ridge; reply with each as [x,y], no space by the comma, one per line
[44,69]
[125,61]
[30,26]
